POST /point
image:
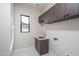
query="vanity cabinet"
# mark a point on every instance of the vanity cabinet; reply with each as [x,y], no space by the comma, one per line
[60,12]
[42,46]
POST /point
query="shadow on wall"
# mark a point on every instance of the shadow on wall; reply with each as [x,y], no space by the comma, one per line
[68,25]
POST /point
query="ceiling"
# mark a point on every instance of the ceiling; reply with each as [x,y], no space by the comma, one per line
[37,5]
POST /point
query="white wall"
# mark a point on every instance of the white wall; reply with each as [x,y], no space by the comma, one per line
[47,7]
[5,29]
[67,33]
[24,40]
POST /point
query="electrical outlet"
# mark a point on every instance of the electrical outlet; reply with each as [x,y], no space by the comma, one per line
[55,38]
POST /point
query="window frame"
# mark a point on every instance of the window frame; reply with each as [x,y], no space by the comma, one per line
[27,24]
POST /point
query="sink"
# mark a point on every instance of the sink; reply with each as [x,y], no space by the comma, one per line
[40,37]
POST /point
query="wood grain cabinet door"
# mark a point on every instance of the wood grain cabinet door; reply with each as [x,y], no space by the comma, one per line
[44,18]
[59,11]
[41,18]
[52,13]
[44,46]
[48,16]
[56,13]
[71,9]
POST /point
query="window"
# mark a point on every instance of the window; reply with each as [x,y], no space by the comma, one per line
[25,23]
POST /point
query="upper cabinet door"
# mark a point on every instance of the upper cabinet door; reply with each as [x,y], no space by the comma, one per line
[48,16]
[56,13]
[59,11]
[71,9]
[51,15]
[42,18]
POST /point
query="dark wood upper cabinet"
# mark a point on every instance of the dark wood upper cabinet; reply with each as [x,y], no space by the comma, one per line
[71,11]
[60,12]
[71,8]
[46,16]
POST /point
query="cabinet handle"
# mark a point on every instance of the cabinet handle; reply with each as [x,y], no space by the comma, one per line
[66,15]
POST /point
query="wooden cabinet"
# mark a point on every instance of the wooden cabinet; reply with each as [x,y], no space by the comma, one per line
[54,14]
[71,8]
[41,20]
[60,12]
[46,16]
[42,46]
[71,11]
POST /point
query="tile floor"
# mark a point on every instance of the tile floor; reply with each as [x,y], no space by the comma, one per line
[31,51]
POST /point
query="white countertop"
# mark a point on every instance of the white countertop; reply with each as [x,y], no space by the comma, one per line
[41,38]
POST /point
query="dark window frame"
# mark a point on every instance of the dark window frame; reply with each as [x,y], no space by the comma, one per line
[27,24]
